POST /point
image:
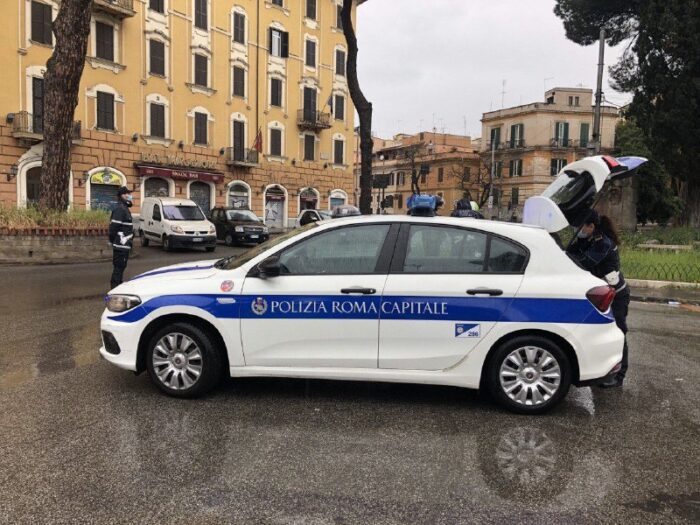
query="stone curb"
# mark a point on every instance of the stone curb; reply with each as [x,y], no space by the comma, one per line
[663,300]
[643,283]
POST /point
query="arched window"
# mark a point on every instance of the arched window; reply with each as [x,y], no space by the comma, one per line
[156,187]
[308,199]
[200,193]
[276,207]
[33,186]
[101,188]
[338,198]
[239,196]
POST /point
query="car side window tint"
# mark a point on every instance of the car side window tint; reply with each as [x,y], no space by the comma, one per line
[506,257]
[441,249]
[156,212]
[342,251]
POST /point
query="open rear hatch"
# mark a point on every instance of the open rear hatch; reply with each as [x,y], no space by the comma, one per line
[568,200]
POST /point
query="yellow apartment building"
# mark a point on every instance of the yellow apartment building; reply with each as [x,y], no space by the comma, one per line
[532,143]
[227,102]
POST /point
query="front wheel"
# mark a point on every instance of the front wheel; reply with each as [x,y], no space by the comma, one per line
[529,375]
[167,245]
[229,240]
[144,240]
[182,361]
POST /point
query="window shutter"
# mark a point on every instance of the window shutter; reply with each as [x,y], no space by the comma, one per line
[285,44]
[239,28]
[105,110]
[566,134]
[339,107]
[157,51]
[269,40]
[513,131]
[200,128]
[553,167]
[309,147]
[276,142]
[585,129]
[38,105]
[238,81]
[104,39]
[158,120]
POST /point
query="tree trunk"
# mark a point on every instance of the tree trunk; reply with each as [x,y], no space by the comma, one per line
[364,110]
[62,84]
[690,194]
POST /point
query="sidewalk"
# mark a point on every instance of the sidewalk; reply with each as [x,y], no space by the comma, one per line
[665,295]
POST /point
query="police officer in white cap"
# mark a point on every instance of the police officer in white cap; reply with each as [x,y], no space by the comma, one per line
[121,235]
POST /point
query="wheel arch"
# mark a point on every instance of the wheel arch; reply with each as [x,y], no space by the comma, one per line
[160,322]
[554,338]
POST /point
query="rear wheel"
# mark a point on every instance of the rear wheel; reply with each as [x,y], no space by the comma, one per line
[529,374]
[182,361]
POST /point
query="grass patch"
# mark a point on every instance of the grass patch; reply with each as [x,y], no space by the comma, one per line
[661,266]
[668,235]
[32,218]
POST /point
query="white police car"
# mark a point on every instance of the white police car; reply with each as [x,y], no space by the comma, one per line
[434,300]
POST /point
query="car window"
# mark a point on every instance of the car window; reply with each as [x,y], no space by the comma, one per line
[156,212]
[242,215]
[506,257]
[342,251]
[441,249]
[183,213]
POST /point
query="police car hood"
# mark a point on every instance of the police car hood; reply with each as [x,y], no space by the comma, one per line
[568,200]
[192,270]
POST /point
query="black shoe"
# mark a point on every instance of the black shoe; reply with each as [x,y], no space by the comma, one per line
[611,382]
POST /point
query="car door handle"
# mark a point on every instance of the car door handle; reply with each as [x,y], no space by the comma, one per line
[484,291]
[359,290]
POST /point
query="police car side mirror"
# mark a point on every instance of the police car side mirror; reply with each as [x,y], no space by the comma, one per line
[270,267]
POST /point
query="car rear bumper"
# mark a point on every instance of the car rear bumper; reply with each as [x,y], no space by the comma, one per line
[190,241]
[599,350]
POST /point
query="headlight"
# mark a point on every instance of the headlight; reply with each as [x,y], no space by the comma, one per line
[212,228]
[239,229]
[177,229]
[121,303]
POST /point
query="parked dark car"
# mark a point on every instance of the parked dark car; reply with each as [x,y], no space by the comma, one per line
[237,226]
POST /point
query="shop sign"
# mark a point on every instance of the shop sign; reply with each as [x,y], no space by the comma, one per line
[152,171]
[177,161]
[105,177]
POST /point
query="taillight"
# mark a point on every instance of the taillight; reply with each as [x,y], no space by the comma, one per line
[601,297]
[611,162]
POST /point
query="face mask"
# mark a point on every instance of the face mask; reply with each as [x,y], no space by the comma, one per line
[582,235]
[128,200]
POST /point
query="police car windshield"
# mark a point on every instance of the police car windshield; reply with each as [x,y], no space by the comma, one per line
[236,261]
[242,215]
[183,213]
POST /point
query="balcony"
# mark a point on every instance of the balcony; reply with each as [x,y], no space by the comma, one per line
[30,128]
[313,120]
[242,157]
[117,8]
[559,143]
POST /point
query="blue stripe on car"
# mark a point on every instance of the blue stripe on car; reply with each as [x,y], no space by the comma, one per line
[407,308]
[172,270]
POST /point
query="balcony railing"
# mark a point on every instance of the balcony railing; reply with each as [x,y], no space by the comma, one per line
[31,127]
[243,157]
[118,8]
[314,120]
[568,143]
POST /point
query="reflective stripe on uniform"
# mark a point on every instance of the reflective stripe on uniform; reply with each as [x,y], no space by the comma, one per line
[121,246]
[120,222]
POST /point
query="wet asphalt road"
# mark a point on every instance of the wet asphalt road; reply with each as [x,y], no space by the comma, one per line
[82,441]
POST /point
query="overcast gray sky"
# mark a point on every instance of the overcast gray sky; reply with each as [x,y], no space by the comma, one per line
[450,57]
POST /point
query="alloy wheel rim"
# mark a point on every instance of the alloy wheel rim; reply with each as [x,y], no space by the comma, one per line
[530,375]
[177,361]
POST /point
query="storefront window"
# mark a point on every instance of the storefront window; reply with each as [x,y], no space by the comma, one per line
[308,199]
[238,196]
[275,204]
[156,187]
[337,199]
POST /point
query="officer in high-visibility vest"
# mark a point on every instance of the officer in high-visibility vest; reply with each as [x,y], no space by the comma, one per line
[121,235]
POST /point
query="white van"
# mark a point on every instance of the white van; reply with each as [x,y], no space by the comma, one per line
[175,223]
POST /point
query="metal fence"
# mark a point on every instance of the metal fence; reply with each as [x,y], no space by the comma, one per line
[689,273]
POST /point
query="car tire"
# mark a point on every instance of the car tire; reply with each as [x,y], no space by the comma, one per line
[144,241]
[176,354]
[529,374]
[228,240]
[166,244]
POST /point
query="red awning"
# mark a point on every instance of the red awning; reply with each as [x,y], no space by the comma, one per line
[179,174]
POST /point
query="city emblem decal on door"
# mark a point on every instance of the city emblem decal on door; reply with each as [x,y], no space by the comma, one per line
[259,306]
[467,330]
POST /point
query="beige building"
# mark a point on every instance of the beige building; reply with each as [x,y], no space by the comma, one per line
[446,165]
[531,143]
[240,102]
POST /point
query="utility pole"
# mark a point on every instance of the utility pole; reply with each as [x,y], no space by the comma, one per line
[503,94]
[599,94]
[493,169]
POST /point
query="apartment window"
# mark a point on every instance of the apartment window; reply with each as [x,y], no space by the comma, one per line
[466,174]
[157,53]
[423,177]
[276,92]
[41,23]
[339,16]
[515,168]
[338,152]
[556,165]
[310,53]
[278,2]
[238,140]
[239,28]
[276,142]
[37,105]
[104,41]
[495,137]
[399,201]
[517,132]
[391,179]
[498,169]
[515,196]
[309,147]
[201,121]
[310,96]
[561,133]
[157,5]
[585,130]
[201,70]
[105,111]
[278,43]
[200,14]
[311,9]
[441,174]
[574,101]
[238,81]
[340,62]
[157,120]
[339,107]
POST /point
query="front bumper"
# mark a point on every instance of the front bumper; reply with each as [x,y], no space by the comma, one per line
[122,336]
[190,241]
